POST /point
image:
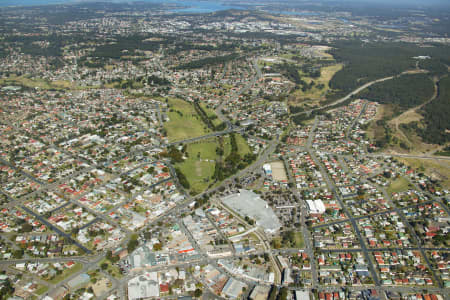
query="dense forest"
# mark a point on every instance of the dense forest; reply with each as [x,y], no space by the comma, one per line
[436,116]
[208,61]
[188,46]
[365,62]
[49,45]
[127,45]
[405,91]
[435,66]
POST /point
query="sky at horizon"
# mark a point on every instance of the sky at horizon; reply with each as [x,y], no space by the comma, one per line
[384,2]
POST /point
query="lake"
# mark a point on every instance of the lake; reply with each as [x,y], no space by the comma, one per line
[189,6]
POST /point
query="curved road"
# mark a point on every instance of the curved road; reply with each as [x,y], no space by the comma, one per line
[356,91]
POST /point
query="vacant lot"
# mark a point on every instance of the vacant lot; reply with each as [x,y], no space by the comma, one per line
[398,185]
[407,117]
[377,131]
[326,73]
[101,287]
[437,169]
[41,290]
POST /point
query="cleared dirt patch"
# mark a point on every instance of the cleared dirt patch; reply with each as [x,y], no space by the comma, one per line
[278,171]
[407,117]
[376,131]
[437,169]
[101,287]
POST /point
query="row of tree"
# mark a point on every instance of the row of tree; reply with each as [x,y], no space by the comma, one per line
[233,162]
[182,179]
[203,115]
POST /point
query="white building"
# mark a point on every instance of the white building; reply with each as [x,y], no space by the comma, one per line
[316,206]
[143,286]
[301,295]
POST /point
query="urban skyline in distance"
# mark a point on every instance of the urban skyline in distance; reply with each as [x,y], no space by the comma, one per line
[224,150]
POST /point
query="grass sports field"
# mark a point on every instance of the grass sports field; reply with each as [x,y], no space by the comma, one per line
[200,164]
[184,122]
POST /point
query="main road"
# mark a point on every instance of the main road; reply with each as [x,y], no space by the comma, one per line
[416,156]
[344,207]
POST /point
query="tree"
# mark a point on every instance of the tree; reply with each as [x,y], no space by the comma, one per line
[7,289]
[104,266]
[283,294]
[182,179]
[148,235]
[436,116]
[360,193]
[27,227]
[133,243]
[273,293]
[198,293]
[18,253]
[157,247]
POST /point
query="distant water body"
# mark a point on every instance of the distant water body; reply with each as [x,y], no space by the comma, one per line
[30,2]
[196,6]
[190,6]
[187,6]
